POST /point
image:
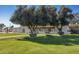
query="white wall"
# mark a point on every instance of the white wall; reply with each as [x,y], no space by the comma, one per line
[66,30]
[54,31]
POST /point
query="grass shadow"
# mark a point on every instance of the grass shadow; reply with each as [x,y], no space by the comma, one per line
[67,40]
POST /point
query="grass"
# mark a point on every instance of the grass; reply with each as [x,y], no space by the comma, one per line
[10,34]
[50,44]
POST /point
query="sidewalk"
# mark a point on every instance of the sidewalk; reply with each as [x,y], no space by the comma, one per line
[8,37]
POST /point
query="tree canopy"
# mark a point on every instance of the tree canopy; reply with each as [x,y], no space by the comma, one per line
[42,15]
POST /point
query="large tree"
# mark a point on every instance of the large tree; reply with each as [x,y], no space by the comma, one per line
[63,14]
[25,16]
[60,18]
[43,15]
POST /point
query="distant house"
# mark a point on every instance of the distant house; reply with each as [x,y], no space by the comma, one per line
[21,30]
[74,25]
[74,28]
[43,30]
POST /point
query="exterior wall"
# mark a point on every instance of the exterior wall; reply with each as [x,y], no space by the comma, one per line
[66,30]
[21,30]
[27,30]
[53,31]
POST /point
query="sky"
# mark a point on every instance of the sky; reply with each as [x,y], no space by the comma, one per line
[6,11]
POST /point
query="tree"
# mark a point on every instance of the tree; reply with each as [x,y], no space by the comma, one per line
[52,21]
[25,16]
[2,26]
[34,16]
[62,16]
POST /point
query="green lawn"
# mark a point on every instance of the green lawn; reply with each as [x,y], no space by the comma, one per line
[51,44]
[10,34]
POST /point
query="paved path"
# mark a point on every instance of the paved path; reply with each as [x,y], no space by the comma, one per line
[16,36]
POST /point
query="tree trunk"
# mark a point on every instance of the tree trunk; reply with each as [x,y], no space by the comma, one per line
[60,31]
[33,33]
[73,31]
